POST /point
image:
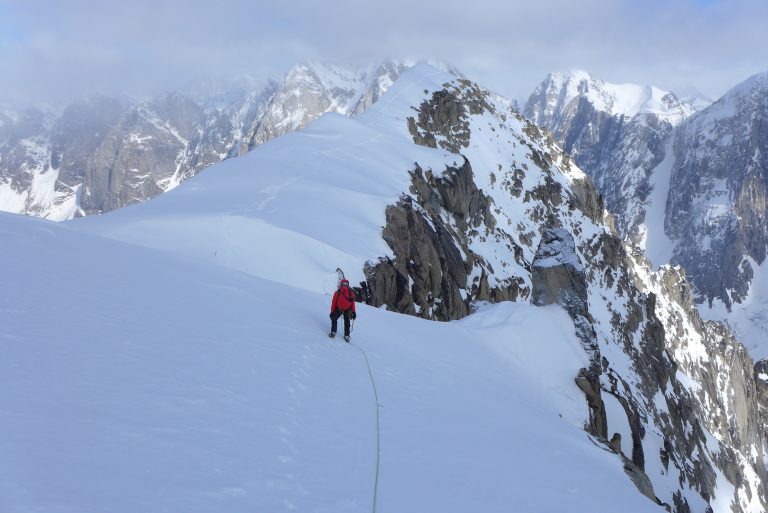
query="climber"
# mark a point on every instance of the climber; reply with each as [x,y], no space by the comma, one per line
[343,304]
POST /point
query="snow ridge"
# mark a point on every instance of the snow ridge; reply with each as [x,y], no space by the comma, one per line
[119,153]
[635,327]
[176,413]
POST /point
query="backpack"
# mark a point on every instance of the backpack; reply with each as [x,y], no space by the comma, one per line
[344,302]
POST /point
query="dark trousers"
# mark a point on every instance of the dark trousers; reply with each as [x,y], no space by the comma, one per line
[335,317]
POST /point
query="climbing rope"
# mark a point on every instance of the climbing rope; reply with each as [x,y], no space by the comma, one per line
[378,428]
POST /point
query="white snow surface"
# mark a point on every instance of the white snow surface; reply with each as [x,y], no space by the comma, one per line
[171,375]
[10,199]
[305,202]
[40,197]
[137,380]
[657,244]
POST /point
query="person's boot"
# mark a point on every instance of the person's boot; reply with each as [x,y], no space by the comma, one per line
[332,334]
[346,338]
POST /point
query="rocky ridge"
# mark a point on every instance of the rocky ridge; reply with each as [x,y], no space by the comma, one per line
[716,210]
[672,395]
[617,133]
[690,189]
[459,200]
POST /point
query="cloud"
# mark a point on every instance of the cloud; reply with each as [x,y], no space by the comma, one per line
[55,51]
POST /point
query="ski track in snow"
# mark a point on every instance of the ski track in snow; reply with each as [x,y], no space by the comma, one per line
[135,380]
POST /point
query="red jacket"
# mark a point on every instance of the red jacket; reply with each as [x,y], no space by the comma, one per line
[344,300]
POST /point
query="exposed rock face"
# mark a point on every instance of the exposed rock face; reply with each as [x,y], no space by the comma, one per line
[125,170]
[380,80]
[761,384]
[78,133]
[443,115]
[436,266]
[309,90]
[24,158]
[558,276]
[102,154]
[616,133]
[43,156]
[431,253]
[514,219]
[689,187]
[717,200]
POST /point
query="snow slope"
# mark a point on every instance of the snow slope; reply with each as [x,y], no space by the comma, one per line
[298,206]
[655,241]
[321,192]
[138,381]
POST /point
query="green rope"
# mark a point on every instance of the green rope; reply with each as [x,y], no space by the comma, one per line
[378,428]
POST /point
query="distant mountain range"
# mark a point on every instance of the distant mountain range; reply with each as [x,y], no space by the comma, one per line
[687,186]
[684,178]
[615,132]
[437,201]
[102,153]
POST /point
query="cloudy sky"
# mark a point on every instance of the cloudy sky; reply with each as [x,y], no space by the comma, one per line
[53,51]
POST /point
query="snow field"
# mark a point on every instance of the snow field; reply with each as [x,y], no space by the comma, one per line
[137,381]
[659,248]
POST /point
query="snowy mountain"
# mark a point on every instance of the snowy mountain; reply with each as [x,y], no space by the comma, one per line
[716,209]
[617,133]
[557,99]
[158,144]
[438,200]
[26,183]
[103,153]
[690,191]
[310,90]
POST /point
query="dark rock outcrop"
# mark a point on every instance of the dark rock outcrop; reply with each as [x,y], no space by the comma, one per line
[761,386]
[557,276]
[430,272]
[717,200]
[685,387]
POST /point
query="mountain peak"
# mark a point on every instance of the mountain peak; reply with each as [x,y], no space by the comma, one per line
[756,84]
[564,76]
[561,88]
[748,98]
